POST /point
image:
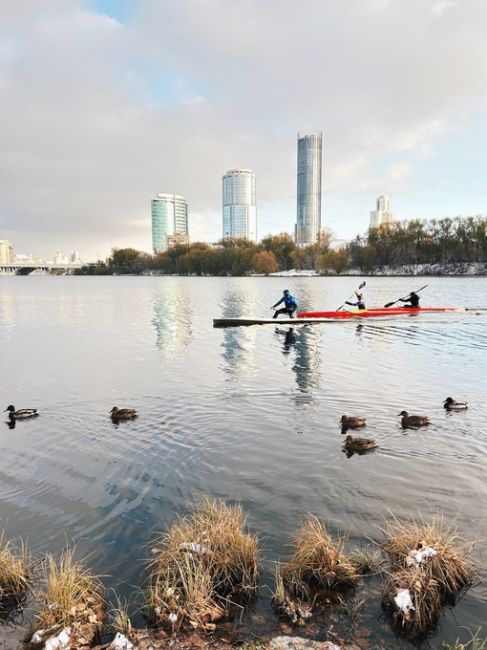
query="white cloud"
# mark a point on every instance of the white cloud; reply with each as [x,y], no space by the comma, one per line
[84,146]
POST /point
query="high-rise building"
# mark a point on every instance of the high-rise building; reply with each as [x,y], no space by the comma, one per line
[239,204]
[169,217]
[383,214]
[6,252]
[308,215]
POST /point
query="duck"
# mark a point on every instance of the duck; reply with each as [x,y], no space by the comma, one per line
[413,420]
[359,444]
[452,405]
[123,414]
[20,414]
[352,422]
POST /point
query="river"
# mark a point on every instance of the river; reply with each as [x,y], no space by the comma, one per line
[247,414]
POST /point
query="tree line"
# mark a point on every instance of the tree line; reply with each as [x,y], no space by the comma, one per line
[444,241]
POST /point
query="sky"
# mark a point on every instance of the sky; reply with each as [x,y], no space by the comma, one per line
[105,103]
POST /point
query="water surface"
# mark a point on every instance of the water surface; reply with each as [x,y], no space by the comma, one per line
[247,414]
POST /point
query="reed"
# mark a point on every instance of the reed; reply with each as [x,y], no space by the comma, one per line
[202,566]
[368,560]
[73,596]
[120,618]
[426,600]
[15,569]
[317,562]
[293,610]
[475,643]
[451,567]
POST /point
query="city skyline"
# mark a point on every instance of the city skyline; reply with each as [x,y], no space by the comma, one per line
[85,145]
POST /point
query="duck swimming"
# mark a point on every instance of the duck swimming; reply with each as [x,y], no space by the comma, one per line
[452,405]
[413,420]
[359,444]
[21,414]
[352,422]
[123,414]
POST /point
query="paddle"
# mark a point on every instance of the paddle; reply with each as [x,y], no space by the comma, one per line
[361,286]
[389,304]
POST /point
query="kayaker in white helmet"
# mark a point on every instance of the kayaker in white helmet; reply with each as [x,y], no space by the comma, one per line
[360,304]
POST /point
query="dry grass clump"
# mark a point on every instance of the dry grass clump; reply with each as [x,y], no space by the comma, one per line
[451,566]
[293,609]
[317,562]
[15,568]
[73,599]
[426,600]
[120,618]
[367,560]
[475,643]
[431,561]
[202,566]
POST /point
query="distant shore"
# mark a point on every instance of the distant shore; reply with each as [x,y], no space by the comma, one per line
[458,269]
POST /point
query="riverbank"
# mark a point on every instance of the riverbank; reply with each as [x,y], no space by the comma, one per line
[464,269]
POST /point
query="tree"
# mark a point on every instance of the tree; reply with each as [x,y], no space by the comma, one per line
[336,261]
[128,260]
[265,262]
[282,246]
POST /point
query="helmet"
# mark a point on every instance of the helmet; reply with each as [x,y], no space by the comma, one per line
[286,291]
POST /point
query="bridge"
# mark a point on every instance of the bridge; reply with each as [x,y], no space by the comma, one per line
[26,268]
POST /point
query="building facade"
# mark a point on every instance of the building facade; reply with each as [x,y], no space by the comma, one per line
[308,214]
[178,239]
[383,214]
[169,217]
[6,252]
[239,205]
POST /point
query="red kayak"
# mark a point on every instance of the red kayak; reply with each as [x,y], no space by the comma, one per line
[377,311]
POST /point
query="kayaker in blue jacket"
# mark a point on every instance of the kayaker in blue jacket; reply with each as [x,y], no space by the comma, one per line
[360,304]
[290,304]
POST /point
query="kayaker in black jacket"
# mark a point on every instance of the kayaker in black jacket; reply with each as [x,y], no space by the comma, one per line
[412,299]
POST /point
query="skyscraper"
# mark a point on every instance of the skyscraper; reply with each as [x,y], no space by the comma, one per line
[383,214]
[239,204]
[169,217]
[308,216]
[6,252]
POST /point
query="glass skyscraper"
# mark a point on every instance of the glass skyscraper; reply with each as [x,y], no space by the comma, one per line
[308,216]
[169,217]
[239,204]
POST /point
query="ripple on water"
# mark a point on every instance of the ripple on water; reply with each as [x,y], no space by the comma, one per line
[250,414]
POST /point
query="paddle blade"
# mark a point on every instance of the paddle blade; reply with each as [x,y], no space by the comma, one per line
[389,304]
[362,285]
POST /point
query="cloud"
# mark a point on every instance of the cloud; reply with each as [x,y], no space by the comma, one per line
[99,114]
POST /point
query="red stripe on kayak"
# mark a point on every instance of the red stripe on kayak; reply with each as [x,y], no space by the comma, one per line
[378,311]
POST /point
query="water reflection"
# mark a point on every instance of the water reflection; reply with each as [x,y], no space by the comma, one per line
[308,358]
[7,312]
[238,343]
[172,317]
[289,338]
